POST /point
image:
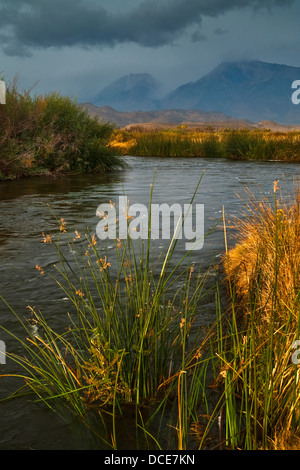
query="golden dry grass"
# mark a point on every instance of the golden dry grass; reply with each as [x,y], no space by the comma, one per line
[267,255]
[180,142]
[263,273]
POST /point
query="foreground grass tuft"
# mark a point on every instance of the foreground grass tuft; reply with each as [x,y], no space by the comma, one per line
[134,343]
[132,339]
[263,272]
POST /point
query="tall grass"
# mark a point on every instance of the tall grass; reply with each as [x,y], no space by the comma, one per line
[262,145]
[176,144]
[50,134]
[132,339]
[236,144]
[263,271]
[134,342]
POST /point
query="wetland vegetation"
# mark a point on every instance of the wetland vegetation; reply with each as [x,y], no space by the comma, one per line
[52,135]
[133,342]
[42,135]
[235,144]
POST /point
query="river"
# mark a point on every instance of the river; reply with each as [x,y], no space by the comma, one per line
[25,214]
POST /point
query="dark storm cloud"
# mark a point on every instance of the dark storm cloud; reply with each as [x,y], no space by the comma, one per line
[29,24]
[220,31]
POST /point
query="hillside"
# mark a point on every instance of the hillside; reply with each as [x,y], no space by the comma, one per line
[247,90]
[170,117]
[250,90]
[131,92]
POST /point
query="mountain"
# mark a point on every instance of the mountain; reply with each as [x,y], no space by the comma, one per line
[252,90]
[129,93]
[249,90]
[171,117]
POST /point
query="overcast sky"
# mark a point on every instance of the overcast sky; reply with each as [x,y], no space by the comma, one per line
[77,47]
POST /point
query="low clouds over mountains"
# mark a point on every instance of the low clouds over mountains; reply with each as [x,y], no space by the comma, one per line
[251,90]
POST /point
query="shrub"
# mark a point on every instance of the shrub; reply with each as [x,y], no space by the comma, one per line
[51,133]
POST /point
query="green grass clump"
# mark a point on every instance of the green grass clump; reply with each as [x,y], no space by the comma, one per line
[132,339]
[175,144]
[260,145]
[50,134]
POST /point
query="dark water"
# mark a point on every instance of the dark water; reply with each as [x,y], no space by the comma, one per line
[25,213]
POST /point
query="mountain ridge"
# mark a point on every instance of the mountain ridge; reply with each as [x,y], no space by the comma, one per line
[248,90]
[130,91]
[253,90]
[191,119]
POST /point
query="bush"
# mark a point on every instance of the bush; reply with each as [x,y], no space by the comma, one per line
[50,134]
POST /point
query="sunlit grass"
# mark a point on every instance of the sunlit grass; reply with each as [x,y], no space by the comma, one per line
[263,272]
[237,144]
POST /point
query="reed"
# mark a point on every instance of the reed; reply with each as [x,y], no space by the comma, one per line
[263,273]
[235,144]
[131,340]
[262,145]
[176,144]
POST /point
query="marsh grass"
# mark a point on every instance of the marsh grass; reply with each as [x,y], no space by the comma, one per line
[133,346]
[235,144]
[176,144]
[132,337]
[262,145]
[259,375]
[50,135]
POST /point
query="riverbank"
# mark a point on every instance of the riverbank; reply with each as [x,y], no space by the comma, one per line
[262,368]
[243,144]
[50,135]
